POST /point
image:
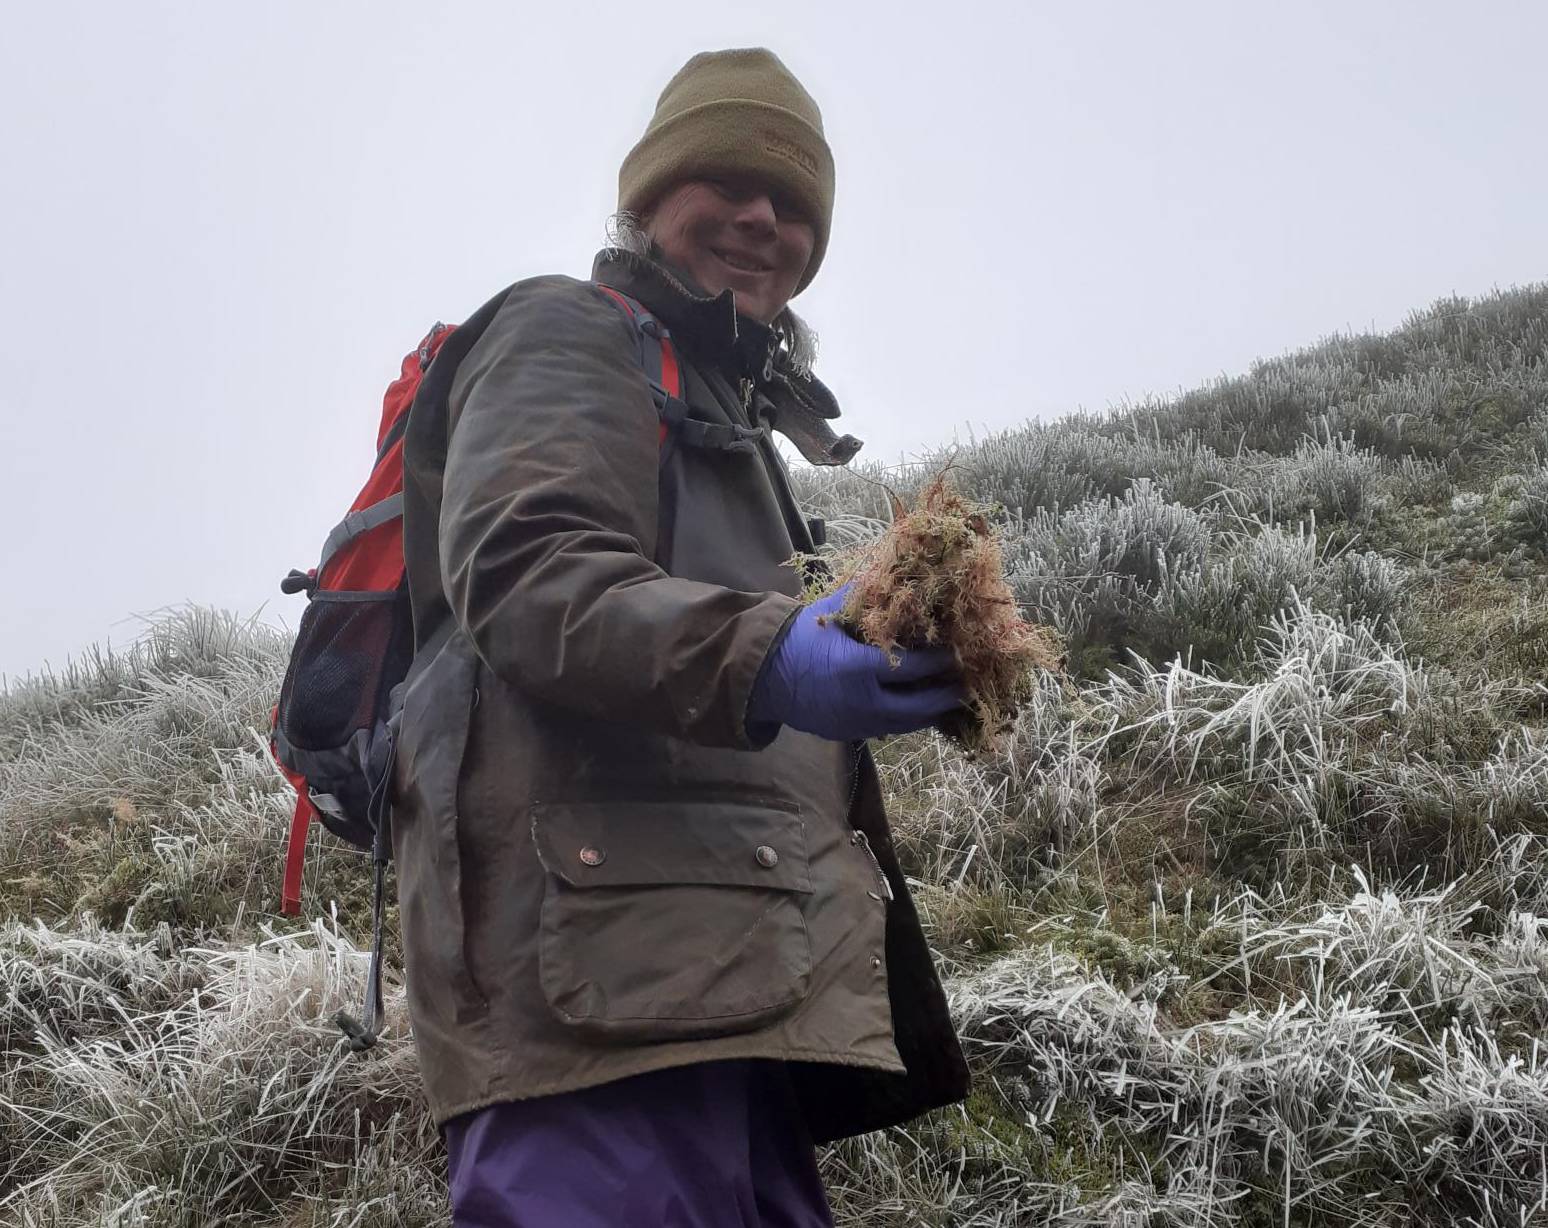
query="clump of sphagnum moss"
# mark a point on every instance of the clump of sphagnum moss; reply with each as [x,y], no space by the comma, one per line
[937,577]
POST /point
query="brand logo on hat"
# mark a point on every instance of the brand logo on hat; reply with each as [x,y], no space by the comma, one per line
[790,152]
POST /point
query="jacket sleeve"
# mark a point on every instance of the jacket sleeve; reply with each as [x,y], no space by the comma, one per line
[548,530]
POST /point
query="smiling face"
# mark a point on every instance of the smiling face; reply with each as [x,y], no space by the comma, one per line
[735,234]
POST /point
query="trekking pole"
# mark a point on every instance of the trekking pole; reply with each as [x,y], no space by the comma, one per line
[362,1033]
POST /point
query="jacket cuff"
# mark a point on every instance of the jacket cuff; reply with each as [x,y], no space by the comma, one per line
[756,734]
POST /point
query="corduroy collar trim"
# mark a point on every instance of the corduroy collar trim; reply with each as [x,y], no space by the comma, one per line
[800,405]
[707,322]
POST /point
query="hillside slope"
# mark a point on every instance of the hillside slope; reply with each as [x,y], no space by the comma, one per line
[1248,924]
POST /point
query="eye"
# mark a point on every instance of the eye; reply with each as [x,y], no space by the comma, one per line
[728,189]
[788,208]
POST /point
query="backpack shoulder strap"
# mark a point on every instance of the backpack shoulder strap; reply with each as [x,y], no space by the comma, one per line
[658,356]
[659,359]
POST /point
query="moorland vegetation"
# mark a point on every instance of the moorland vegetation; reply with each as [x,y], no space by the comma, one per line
[1246,923]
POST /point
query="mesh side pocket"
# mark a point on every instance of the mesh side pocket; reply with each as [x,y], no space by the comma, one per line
[351,649]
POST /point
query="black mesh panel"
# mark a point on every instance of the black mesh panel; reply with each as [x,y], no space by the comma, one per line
[351,649]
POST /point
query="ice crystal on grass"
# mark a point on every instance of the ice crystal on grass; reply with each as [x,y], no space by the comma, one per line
[1332,478]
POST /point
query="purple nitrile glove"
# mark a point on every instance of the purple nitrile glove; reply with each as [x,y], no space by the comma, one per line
[822,680]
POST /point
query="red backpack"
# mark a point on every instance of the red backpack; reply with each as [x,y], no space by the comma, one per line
[334,727]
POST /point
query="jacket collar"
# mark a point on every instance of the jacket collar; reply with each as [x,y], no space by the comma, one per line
[798,405]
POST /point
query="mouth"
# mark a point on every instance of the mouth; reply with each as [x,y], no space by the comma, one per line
[742,263]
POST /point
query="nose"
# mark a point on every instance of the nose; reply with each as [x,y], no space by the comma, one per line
[755,213]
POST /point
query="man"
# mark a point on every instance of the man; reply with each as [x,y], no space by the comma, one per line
[657,942]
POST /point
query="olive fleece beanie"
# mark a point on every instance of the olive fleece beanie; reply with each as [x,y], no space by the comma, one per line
[735,112]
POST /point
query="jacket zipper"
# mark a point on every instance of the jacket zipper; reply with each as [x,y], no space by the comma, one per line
[856,836]
[854,782]
[859,837]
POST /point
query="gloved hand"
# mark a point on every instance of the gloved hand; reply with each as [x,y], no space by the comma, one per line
[822,680]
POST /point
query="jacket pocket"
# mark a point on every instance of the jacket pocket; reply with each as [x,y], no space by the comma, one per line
[438,705]
[672,920]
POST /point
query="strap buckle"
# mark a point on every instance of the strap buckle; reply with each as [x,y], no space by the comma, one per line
[299,582]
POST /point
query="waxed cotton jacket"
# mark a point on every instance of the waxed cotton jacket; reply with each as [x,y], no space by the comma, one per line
[601,872]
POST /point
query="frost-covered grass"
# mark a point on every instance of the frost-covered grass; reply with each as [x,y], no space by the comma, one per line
[1246,924]
[153,1083]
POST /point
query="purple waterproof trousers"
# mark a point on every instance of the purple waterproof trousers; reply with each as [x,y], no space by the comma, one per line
[712,1145]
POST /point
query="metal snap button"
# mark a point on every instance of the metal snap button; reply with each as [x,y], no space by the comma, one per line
[767,857]
[875,962]
[592,856]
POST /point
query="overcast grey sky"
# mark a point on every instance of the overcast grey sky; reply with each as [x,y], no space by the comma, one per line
[224,224]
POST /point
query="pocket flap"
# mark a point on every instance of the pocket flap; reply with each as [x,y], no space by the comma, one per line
[618,844]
